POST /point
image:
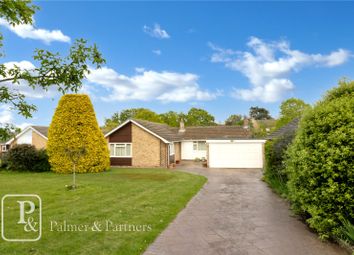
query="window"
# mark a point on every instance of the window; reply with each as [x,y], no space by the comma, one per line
[3,148]
[120,150]
[199,146]
[172,148]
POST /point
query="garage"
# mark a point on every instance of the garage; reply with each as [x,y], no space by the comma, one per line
[235,153]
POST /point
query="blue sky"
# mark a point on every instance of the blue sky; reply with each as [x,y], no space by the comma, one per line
[223,57]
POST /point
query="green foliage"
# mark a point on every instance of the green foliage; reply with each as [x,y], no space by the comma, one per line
[17,12]
[234,120]
[63,73]
[194,117]
[199,117]
[321,161]
[8,131]
[259,113]
[345,88]
[290,109]
[133,113]
[275,153]
[74,126]
[348,231]
[25,157]
[171,118]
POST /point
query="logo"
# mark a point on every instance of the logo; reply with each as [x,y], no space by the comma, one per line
[21,217]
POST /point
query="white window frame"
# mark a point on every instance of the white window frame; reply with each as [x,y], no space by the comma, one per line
[125,144]
[172,149]
[197,145]
[3,148]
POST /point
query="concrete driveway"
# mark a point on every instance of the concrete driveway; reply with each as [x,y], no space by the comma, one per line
[237,213]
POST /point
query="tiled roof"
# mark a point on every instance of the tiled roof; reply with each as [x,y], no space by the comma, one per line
[215,132]
[163,130]
[41,129]
[196,133]
[290,127]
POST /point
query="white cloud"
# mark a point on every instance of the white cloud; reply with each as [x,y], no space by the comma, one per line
[156,31]
[157,52]
[5,114]
[23,87]
[268,65]
[23,125]
[150,85]
[29,31]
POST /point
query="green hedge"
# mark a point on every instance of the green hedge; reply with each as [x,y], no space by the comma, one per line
[320,163]
[26,157]
[275,151]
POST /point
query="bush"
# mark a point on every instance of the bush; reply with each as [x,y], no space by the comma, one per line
[25,157]
[275,152]
[348,232]
[320,163]
[74,127]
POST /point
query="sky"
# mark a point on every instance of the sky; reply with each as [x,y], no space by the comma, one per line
[220,56]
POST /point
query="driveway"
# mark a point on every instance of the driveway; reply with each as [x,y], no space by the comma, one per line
[237,213]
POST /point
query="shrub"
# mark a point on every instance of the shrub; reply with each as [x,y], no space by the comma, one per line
[320,163]
[42,164]
[348,232]
[275,152]
[25,157]
[74,126]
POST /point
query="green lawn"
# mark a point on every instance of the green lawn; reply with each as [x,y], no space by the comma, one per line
[150,197]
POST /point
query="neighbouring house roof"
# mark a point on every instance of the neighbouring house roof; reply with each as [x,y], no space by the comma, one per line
[41,130]
[172,134]
[288,128]
[215,132]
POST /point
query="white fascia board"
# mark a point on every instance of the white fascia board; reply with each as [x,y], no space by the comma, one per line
[115,129]
[139,125]
[237,141]
[18,135]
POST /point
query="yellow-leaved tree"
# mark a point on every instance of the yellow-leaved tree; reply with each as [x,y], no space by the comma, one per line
[73,128]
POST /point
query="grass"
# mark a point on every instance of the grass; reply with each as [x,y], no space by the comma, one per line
[276,184]
[150,197]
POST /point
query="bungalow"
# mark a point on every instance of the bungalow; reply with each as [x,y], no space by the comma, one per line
[35,135]
[142,143]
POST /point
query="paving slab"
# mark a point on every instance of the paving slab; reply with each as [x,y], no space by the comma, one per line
[237,213]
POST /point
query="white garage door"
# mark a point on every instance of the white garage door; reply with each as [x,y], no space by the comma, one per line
[236,155]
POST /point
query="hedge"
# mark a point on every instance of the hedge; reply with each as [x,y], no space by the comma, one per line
[320,163]
[275,154]
[26,157]
[74,127]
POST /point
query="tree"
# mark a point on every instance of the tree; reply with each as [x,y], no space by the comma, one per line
[234,120]
[199,117]
[171,118]
[75,154]
[290,109]
[8,131]
[73,127]
[259,113]
[111,122]
[133,113]
[63,73]
[320,162]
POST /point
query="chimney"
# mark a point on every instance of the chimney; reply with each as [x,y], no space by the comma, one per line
[181,126]
[246,123]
